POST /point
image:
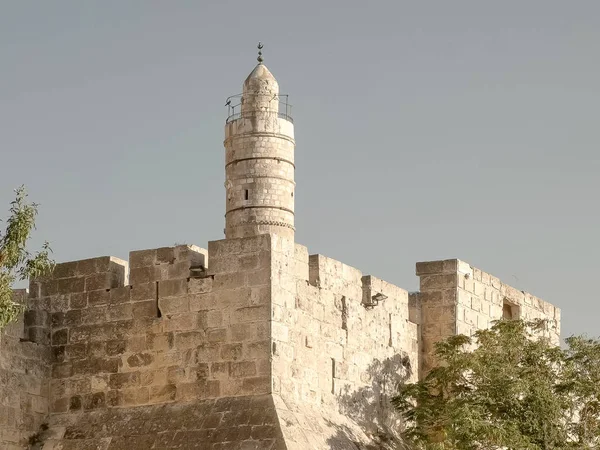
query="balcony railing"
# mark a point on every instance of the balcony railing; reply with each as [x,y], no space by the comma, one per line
[234,109]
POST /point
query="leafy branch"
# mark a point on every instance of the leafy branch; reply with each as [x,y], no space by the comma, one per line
[16,262]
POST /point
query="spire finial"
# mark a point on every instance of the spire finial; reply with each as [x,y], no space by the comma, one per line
[260,58]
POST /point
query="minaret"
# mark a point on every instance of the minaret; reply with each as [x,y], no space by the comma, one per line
[259,159]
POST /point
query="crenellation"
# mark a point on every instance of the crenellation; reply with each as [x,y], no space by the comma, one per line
[479,299]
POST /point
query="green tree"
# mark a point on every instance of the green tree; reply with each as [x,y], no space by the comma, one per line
[16,262]
[515,390]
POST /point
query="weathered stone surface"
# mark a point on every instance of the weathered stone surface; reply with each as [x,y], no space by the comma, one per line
[228,423]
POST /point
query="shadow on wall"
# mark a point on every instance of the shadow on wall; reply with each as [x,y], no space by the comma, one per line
[371,409]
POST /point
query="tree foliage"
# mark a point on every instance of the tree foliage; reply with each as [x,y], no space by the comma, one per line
[16,262]
[515,390]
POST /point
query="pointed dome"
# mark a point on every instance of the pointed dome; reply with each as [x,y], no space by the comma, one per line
[261,81]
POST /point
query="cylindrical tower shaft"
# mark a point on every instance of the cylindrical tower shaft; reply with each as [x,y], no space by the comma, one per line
[259,162]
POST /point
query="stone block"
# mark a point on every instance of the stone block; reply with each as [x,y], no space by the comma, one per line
[37,318]
[172,288]
[434,282]
[279,331]
[94,315]
[470,317]
[231,352]
[98,281]
[142,258]
[60,337]
[60,405]
[229,281]
[69,285]
[97,298]
[216,335]
[495,282]
[243,332]
[79,334]
[430,267]
[198,390]
[160,342]
[219,370]
[76,351]
[251,314]
[199,302]
[65,270]
[180,322]
[478,288]
[78,300]
[47,288]
[206,352]
[247,245]
[95,365]
[464,268]
[142,275]
[256,385]
[200,285]
[162,394]
[124,380]
[94,401]
[134,396]
[140,359]
[120,312]
[116,347]
[62,370]
[173,305]
[154,377]
[189,339]
[242,369]
[144,309]
[120,295]
[136,344]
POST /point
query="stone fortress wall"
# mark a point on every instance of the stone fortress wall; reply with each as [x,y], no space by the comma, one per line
[187,332]
[456,298]
[251,344]
[24,376]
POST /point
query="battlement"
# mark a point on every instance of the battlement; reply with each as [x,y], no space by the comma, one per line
[249,317]
[457,298]
[475,286]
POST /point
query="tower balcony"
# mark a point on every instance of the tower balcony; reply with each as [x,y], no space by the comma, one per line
[236,112]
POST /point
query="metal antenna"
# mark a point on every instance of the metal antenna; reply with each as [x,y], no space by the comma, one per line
[260,58]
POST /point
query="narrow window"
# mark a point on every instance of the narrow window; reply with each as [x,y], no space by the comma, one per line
[344,314]
[245,194]
[332,376]
[158,311]
[390,342]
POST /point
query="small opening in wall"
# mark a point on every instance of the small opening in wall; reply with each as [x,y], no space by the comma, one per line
[332,375]
[158,311]
[292,194]
[245,194]
[510,311]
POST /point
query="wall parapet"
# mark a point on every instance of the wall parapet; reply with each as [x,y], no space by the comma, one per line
[457,298]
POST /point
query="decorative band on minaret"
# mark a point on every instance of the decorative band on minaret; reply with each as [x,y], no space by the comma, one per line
[259,159]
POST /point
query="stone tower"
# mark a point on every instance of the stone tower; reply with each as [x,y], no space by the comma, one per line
[259,162]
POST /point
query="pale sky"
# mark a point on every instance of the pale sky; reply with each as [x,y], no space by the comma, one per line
[425,130]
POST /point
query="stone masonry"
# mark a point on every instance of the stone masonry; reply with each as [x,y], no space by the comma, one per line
[252,343]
